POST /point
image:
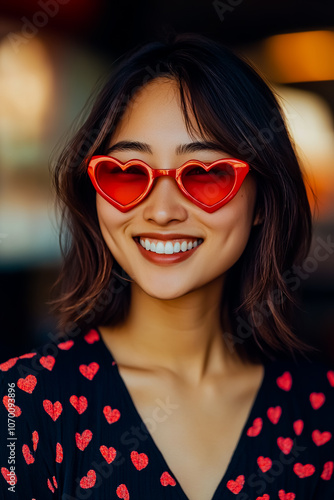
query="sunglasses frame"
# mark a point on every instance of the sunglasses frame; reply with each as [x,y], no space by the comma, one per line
[240,168]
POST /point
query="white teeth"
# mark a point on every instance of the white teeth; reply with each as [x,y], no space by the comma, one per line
[160,247]
[177,247]
[168,247]
[184,246]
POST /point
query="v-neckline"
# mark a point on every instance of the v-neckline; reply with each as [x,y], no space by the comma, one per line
[252,414]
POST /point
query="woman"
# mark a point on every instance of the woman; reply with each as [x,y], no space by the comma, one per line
[176,375]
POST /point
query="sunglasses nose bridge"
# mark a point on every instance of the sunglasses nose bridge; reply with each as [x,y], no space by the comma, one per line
[157,173]
[164,172]
[172,173]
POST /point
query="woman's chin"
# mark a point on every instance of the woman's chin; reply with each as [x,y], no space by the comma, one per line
[164,290]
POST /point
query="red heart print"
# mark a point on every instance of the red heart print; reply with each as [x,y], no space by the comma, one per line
[89,371]
[327,471]
[80,404]
[139,460]
[65,346]
[303,470]
[264,497]
[317,399]
[35,439]
[28,355]
[321,438]
[167,480]
[54,410]
[8,364]
[10,478]
[122,492]
[83,439]
[108,454]
[27,454]
[330,376]
[255,429]
[27,384]
[50,486]
[274,414]
[298,427]
[15,411]
[286,496]
[237,485]
[91,337]
[264,463]
[89,480]
[48,362]
[111,415]
[285,381]
[285,444]
[59,453]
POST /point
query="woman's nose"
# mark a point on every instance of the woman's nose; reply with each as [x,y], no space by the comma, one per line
[165,202]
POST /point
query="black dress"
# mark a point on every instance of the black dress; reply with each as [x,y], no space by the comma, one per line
[73,432]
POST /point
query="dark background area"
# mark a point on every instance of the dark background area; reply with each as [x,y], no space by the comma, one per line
[114,27]
[81,39]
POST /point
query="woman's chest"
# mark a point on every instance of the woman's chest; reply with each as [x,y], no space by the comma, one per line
[196,432]
[198,443]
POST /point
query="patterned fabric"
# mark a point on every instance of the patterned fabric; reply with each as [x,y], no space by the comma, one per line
[70,430]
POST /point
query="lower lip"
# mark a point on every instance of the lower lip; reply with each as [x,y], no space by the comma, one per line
[162,258]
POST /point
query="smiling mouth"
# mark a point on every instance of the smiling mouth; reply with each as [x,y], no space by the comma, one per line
[168,247]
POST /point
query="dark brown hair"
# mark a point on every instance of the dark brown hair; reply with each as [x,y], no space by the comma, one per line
[234,106]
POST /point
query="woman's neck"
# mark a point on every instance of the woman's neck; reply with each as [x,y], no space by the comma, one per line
[183,335]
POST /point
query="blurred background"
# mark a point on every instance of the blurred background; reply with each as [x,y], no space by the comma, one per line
[52,53]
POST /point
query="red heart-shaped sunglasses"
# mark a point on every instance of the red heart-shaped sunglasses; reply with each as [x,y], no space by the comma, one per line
[209,186]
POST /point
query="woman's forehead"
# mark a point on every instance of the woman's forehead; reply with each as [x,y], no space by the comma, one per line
[156,108]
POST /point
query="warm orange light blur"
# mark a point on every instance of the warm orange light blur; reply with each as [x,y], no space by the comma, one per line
[301,57]
[310,124]
[27,89]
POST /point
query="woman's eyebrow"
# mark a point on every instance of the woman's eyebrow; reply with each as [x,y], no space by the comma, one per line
[180,149]
[130,146]
[198,146]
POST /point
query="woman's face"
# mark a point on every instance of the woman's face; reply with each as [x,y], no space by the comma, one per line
[154,121]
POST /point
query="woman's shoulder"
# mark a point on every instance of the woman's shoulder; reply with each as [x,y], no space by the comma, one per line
[303,375]
[56,364]
[303,389]
[47,394]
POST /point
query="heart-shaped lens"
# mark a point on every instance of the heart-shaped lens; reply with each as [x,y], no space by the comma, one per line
[123,185]
[209,186]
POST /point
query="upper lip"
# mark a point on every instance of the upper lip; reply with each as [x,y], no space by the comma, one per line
[167,237]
